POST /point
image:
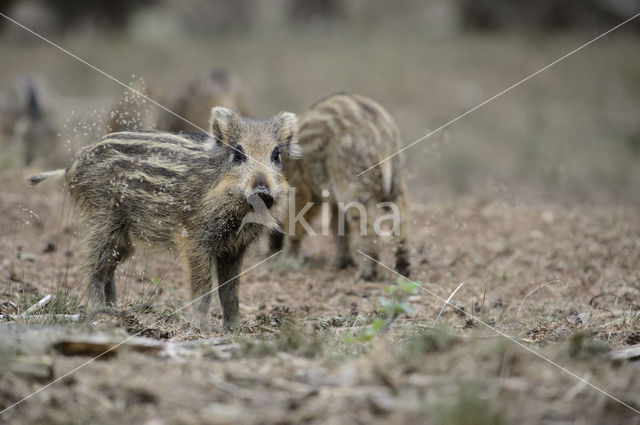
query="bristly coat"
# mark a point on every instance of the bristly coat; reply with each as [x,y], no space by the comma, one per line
[187,192]
[343,135]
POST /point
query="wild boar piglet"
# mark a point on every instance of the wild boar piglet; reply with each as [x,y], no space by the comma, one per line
[188,192]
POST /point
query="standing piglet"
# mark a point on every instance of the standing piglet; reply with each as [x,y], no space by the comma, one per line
[345,137]
[188,192]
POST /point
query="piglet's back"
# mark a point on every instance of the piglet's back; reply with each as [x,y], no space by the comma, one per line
[153,167]
[149,181]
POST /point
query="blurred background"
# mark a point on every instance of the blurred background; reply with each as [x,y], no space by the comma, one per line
[569,135]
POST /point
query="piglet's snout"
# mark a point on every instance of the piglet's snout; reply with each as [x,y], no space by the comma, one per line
[261,194]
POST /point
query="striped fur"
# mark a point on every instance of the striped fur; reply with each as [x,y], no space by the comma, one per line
[341,136]
[187,192]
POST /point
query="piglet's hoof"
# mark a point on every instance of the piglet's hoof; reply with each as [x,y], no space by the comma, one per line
[202,323]
[230,326]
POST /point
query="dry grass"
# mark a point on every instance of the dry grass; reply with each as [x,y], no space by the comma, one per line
[561,280]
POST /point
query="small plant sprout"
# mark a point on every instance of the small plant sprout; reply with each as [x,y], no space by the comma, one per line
[393,306]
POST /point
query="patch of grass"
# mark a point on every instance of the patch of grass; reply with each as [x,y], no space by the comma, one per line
[631,317]
[391,307]
[428,341]
[291,339]
[27,299]
[411,353]
[469,408]
[65,301]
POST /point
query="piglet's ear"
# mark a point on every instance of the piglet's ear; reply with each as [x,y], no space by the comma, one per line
[224,125]
[287,133]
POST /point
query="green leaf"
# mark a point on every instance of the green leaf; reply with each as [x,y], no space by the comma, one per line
[378,324]
[366,334]
[390,289]
[348,338]
[407,286]
[156,280]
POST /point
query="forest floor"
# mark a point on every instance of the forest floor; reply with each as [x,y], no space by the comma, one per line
[545,287]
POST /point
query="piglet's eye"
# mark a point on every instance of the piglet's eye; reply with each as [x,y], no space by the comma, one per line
[238,155]
[275,155]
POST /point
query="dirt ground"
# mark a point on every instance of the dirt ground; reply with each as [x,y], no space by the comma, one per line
[562,281]
[531,203]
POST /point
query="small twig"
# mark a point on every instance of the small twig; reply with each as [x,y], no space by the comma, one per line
[603,294]
[69,317]
[445,304]
[37,306]
[266,328]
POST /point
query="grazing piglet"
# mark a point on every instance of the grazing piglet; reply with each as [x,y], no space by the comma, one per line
[188,192]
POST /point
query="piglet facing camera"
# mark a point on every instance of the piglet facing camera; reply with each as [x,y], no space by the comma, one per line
[188,192]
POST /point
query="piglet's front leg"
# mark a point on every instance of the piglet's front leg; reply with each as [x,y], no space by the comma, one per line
[200,268]
[228,266]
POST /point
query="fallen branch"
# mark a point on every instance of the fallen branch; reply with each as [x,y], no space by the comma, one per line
[106,346]
[631,353]
[68,317]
